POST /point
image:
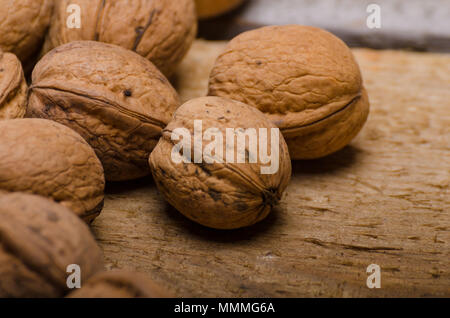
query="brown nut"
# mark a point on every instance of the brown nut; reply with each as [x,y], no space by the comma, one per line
[117,100]
[120,284]
[223,194]
[160,30]
[39,239]
[212,8]
[23,26]
[13,87]
[304,78]
[45,158]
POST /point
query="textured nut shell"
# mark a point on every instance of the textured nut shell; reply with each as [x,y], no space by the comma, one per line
[43,157]
[23,24]
[119,284]
[211,8]
[117,100]
[39,239]
[329,134]
[160,30]
[219,195]
[305,79]
[13,87]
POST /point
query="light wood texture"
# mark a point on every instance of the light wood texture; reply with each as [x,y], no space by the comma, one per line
[384,200]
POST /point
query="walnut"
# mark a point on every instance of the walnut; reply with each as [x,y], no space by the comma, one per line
[45,158]
[13,88]
[221,191]
[39,240]
[117,100]
[23,24]
[305,79]
[160,30]
[120,284]
[211,8]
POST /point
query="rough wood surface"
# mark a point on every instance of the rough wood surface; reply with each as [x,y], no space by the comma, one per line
[384,200]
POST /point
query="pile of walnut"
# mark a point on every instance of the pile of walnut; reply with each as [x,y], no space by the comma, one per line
[100,108]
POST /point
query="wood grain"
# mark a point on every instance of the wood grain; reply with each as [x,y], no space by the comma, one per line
[384,200]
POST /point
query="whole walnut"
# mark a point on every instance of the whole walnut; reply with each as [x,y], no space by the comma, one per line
[45,158]
[39,240]
[117,100]
[305,79]
[232,186]
[23,24]
[120,284]
[160,30]
[212,8]
[13,87]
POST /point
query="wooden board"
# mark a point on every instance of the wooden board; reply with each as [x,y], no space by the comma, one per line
[382,200]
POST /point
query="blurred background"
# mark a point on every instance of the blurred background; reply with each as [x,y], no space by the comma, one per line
[420,25]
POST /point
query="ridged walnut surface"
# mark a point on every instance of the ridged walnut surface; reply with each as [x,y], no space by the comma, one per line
[211,8]
[45,158]
[304,78]
[117,100]
[219,195]
[160,30]
[13,87]
[23,24]
[383,199]
[120,284]
[38,240]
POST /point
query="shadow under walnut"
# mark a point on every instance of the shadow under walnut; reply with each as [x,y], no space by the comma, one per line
[383,199]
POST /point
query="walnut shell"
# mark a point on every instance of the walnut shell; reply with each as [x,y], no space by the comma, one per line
[220,195]
[45,158]
[120,284]
[117,100]
[212,8]
[304,78]
[13,87]
[38,240]
[160,30]
[23,24]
